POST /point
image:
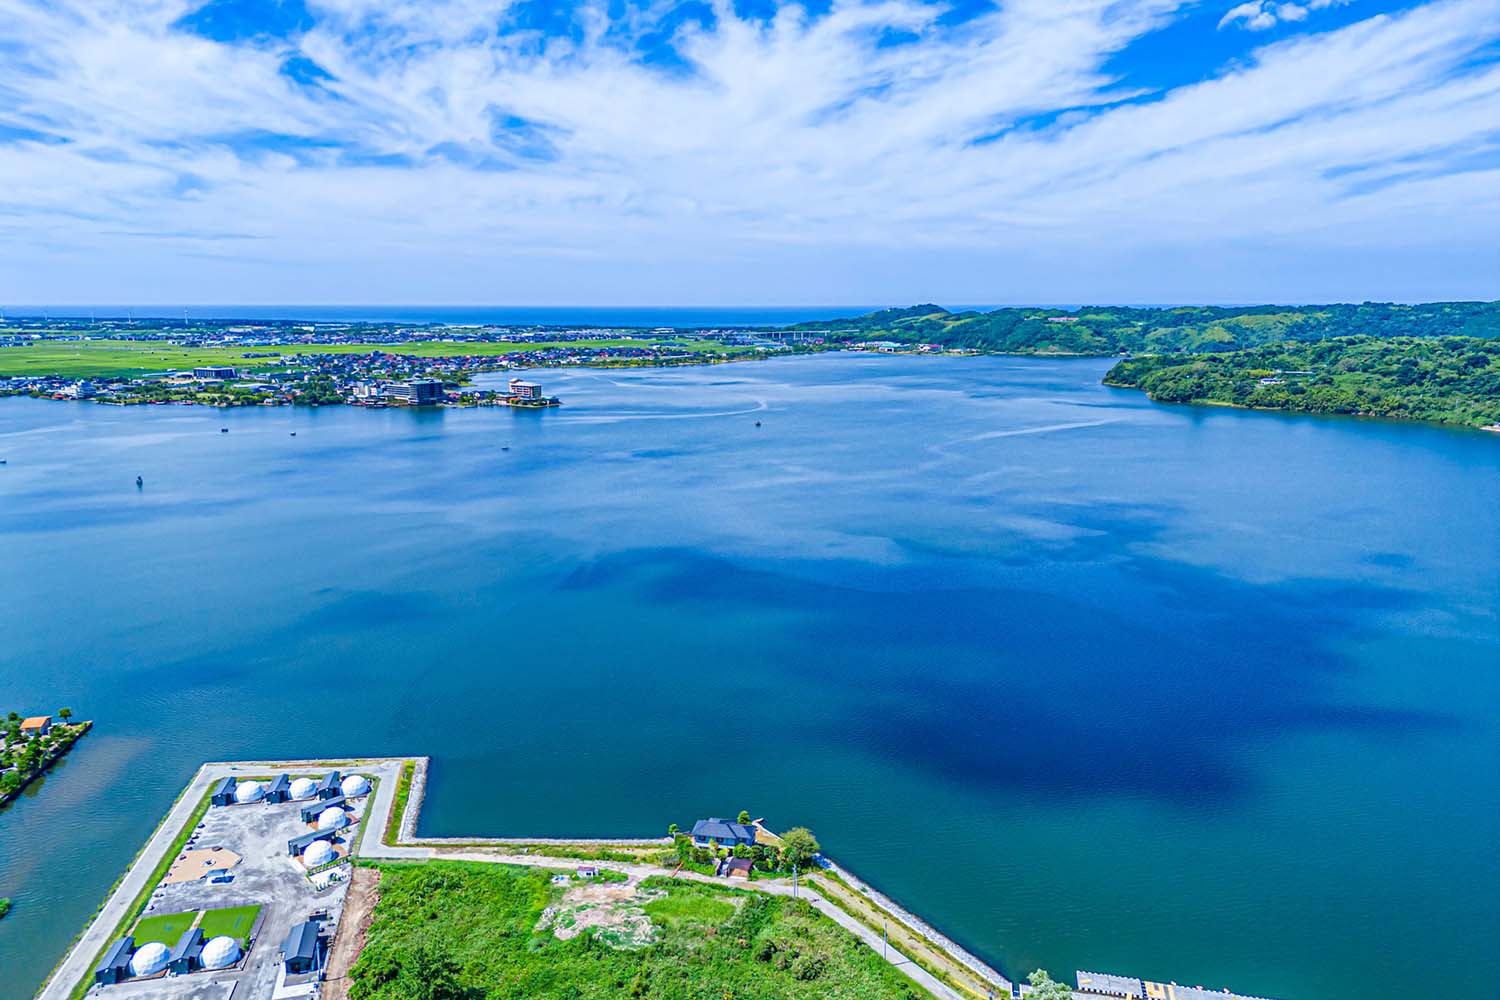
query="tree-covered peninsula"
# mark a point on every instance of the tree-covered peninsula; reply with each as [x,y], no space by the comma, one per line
[1450,380]
[1106,330]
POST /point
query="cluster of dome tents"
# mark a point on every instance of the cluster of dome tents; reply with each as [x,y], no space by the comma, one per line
[302,788]
[152,957]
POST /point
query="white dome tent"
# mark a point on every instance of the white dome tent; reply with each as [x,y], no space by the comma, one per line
[149,959]
[332,818]
[354,785]
[249,791]
[304,788]
[220,952]
[319,852]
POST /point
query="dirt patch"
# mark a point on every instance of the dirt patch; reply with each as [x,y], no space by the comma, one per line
[611,911]
[199,863]
[359,912]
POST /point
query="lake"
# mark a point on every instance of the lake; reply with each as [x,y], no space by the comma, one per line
[1087,682]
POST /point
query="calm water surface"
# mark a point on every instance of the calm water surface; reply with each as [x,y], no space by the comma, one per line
[1088,682]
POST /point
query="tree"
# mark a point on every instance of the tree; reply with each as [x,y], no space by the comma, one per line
[65,714]
[672,830]
[1044,988]
[798,846]
[744,816]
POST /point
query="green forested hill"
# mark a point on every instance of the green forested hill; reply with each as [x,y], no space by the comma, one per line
[1454,380]
[1109,330]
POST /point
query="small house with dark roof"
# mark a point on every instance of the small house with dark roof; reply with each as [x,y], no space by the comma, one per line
[312,810]
[298,844]
[738,868]
[328,785]
[184,957]
[116,964]
[223,792]
[721,832]
[280,789]
[302,951]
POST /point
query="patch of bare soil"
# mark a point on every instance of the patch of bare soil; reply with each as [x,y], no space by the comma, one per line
[611,911]
[359,911]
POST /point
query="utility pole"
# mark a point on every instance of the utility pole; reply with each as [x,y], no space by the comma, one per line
[885,943]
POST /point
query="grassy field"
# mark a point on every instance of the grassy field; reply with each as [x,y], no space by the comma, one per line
[469,931]
[103,358]
[165,927]
[234,921]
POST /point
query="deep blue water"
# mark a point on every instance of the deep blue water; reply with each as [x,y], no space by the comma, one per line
[1089,682]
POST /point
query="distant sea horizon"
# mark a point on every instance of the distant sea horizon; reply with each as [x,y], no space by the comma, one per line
[482,315]
[621,316]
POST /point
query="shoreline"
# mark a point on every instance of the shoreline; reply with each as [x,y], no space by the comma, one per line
[930,964]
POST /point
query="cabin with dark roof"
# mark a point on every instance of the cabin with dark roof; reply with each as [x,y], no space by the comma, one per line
[116,964]
[185,956]
[738,868]
[280,790]
[298,844]
[312,810]
[302,951]
[721,832]
[223,792]
[328,785]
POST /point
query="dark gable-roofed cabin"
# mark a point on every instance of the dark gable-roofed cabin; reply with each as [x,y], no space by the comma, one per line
[298,844]
[223,792]
[116,964]
[303,949]
[280,790]
[738,868]
[707,832]
[185,956]
[328,785]
[312,810]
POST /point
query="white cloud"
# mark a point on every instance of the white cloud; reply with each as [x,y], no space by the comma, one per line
[778,148]
[1258,15]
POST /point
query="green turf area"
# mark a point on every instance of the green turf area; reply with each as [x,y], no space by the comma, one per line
[470,930]
[681,909]
[235,922]
[103,358]
[166,928]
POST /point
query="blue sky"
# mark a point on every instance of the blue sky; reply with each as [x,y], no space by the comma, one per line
[643,152]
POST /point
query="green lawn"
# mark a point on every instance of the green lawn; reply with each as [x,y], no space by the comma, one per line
[469,931]
[682,909]
[166,928]
[235,921]
[99,358]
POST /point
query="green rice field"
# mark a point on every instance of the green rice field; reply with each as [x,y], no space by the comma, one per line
[125,358]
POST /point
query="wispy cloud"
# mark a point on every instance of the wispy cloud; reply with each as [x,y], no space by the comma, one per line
[473,150]
[1259,15]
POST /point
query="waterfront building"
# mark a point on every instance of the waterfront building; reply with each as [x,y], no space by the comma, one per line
[417,392]
[280,789]
[310,812]
[222,373]
[116,964]
[328,785]
[304,788]
[354,785]
[185,956]
[302,842]
[526,392]
[37,725]
[708,832]
[223,792]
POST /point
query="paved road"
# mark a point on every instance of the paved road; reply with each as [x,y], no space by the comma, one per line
[80,959]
